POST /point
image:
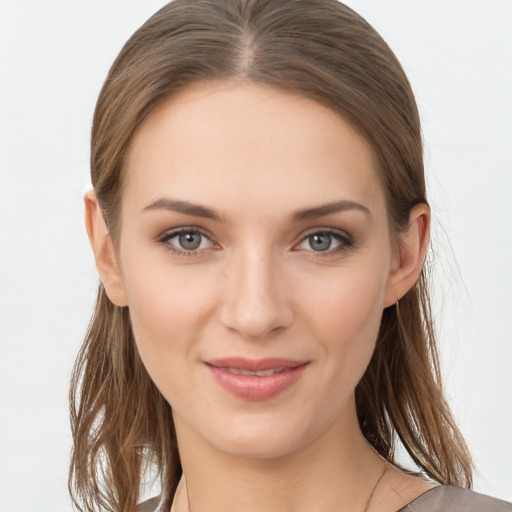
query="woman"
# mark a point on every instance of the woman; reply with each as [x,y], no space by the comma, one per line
[259,221]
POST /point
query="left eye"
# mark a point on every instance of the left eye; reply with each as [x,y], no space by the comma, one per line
[322,241]
[187,240]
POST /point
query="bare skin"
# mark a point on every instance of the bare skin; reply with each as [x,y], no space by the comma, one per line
[244,274]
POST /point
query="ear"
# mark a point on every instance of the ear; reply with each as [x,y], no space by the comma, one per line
[103,249]
[408,262]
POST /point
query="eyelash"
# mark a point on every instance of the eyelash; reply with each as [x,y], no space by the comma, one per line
[345,240]
[168,235]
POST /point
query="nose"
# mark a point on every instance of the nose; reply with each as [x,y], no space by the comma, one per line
[254,303]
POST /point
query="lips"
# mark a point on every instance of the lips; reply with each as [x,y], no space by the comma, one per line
[256,380]
[260,373]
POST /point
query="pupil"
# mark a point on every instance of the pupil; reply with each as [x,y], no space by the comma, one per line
[190,241]
[320,242]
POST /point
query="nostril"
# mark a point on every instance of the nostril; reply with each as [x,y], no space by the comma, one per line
[255,319]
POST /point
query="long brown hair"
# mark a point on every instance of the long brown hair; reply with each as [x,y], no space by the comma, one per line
[318,48]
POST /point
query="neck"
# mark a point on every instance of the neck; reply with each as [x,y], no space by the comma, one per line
[333,473]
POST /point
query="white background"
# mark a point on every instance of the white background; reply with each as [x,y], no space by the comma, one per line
[54,56]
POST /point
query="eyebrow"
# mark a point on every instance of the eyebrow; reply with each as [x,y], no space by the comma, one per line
[327,209]
[197,210]
[184,207]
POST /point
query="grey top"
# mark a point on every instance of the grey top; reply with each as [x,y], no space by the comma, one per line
[443,498]
[455,499]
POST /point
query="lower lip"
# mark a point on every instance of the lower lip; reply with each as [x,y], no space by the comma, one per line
[254,388]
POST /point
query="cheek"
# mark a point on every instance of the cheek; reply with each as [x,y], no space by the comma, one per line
[347,312]
[169,306]
[348,300]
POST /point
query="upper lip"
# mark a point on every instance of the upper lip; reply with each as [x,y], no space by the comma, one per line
[255,365]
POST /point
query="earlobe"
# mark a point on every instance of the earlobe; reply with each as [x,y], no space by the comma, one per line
[413,247]
[103,249]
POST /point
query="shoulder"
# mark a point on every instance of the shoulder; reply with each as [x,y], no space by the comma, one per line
[151,505]
[456,499]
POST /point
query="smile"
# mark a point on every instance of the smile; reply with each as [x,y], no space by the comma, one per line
[256,380]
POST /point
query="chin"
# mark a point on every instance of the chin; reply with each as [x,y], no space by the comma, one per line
[262,436]
[262,445]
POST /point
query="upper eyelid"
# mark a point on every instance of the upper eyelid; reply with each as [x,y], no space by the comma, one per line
[330,231]
[324,229]
[170,233]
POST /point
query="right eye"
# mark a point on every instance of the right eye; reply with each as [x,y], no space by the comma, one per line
[185,241]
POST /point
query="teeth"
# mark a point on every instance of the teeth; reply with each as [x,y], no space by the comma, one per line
[259,373]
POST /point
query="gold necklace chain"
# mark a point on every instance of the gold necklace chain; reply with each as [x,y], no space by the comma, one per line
[367,506]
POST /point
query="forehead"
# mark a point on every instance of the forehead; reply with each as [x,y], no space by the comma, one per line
[228,144]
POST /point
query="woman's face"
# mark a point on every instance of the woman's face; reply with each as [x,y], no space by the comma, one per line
[255,258]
